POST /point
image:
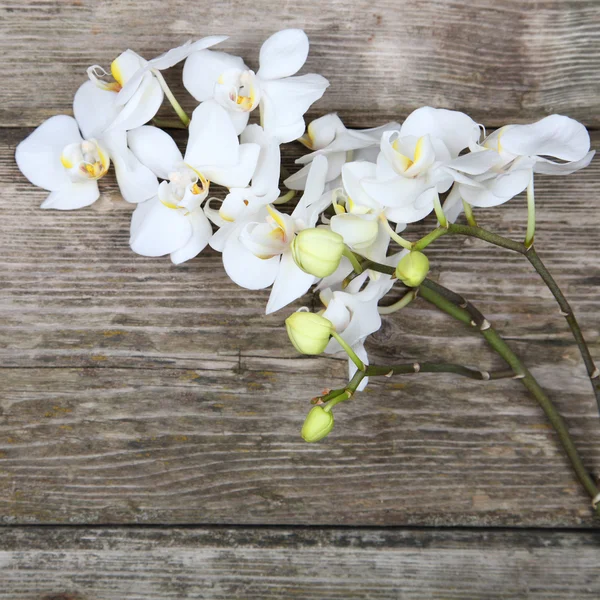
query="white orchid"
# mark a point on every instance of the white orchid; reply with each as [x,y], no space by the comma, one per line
[283,99]
[138,89]
[67,156]
[411,167]
[56,157]
[329,136]
[355,316]
[242,203]
[522,150]
[260,254]
[173,222]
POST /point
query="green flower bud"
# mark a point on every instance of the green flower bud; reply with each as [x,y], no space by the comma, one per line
[318,251]
[412,269]
[308,332]
[318,424]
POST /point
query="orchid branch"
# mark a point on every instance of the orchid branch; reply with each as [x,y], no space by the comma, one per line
[409,369]
[443,301]
[532,256]
[565,308]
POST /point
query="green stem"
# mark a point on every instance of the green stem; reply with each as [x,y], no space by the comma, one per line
[339,395]
[400,304]
[486,236]
[569,315]
[532,256]
[521,371]
[169,94]
[469,213]
[429,238]
[353,357]
[168,123]
[353,260]
[565,308]
[412,368]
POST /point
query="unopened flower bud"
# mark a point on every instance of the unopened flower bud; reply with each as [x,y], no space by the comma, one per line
[318,251]
[317,425]
[308,332]
[412,269]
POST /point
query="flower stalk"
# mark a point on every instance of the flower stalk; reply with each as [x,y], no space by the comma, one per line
[431,294]
[171,98]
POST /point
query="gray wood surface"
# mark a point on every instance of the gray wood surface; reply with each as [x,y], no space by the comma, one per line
[137,391]
[500,61]
[264,564]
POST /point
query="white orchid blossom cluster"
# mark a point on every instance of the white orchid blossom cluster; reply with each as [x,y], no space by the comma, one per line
[357,189]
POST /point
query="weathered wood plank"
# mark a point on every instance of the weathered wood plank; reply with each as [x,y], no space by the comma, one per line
[501,62]
[147,564]
[135,391]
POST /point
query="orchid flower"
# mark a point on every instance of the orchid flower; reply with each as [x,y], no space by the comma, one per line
[411,165]
[138,89]
[173,222]
[242,203]
[327,135]
[520,151]
[283,99]
[261,255]
[355,316]
[93,108]
[55,157]
[67,156]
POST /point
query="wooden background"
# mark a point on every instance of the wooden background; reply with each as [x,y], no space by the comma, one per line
[150,414]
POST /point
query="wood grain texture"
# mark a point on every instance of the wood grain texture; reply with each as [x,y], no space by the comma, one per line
[158,564]
[132,390]
[500,61]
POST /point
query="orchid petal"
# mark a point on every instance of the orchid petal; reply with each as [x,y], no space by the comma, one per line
[71,196]
[94,109]
[128,69]
[284,102]
[453,204]
[266,175]
[246,269]
[38,155]
[354,175]
[397,192]
[142,106]
[336,161]
[212,137]
[475,163]
[155,149]
[175,55]
[283,54]
[548,167]
[237,175]
[315,185]
[556,135]
[201,233]
[291,283]
[456,129]
[136,181]
[157,230]
[203,68]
